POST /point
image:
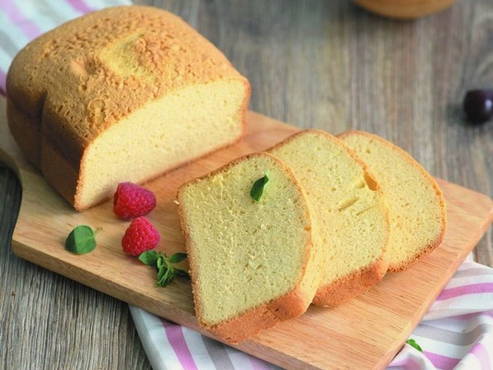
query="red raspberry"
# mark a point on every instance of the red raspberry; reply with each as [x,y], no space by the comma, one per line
[131,201]
[140,236]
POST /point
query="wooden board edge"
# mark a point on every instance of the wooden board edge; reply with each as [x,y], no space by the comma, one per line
[387,359]
[487,199]
[103,285]
[160,309]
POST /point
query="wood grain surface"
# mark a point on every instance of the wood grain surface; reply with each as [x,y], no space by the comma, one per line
[320,339]
[318,63]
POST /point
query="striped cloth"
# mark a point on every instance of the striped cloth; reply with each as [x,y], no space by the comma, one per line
[23,20]
[457,332]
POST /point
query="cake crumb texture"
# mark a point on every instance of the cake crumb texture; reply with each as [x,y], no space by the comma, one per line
[416,204]
[252,263]
[349,217]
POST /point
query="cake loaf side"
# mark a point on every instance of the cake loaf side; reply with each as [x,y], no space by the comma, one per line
[122,94]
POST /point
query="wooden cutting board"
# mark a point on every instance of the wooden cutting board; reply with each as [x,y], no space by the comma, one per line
[364,333]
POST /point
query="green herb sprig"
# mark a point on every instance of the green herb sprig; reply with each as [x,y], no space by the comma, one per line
[258,188]
[413,343]
[81,240]
[166,272]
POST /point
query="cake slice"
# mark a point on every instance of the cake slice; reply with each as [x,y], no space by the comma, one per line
[349,217]
[416,204]
[252,262]
[121,94]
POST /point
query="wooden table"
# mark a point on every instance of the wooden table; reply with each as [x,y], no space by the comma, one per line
[323,64]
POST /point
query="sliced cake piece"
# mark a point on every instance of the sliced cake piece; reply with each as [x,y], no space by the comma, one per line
[416,204]
[349,216]
[252,261]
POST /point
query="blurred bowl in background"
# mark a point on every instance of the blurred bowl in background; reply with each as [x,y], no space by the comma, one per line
[404,9]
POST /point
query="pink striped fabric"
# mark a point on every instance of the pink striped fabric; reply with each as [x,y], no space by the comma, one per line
[483,356]
[258,364]
[177,341]
[24,24]
[441,361]
[456,332]
[81,6]
[465,290]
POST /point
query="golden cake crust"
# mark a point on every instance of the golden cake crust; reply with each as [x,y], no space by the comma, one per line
[352,285]
[249,323]
[75,81]
[439,194]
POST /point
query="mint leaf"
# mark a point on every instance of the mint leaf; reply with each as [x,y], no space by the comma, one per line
[160,262]
[165,276]
[81,240]
[413,343]
[161,273]
[166,272]
[182,273]
[258,188]
[177,257]
[149,258]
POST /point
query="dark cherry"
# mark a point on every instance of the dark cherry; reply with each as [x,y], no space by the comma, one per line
[478,105]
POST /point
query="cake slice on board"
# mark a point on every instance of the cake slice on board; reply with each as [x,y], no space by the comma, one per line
[417,211]
[349,216]
[248,234]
